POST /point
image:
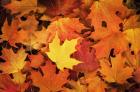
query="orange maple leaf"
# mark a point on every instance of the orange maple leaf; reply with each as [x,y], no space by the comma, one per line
[117,71]
[104,18]
[67,28]
[50,81]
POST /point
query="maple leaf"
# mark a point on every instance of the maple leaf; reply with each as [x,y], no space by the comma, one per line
[60,7]
[29,23]
[19,78]
[21,5]
[86,55]
[60,54]
[104,18]
[36,60]
[113,72]
[132,20]
[76,86]
[11,34]
[7,85]
[14,61]
[36,39]
[95,83]
[116,41]
[27,35]
[65,27]
[50,81]
[132,36]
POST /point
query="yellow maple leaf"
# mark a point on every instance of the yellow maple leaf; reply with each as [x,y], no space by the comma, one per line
[14,61]
[60,54]
[133,37]
[19,78]
[118,72]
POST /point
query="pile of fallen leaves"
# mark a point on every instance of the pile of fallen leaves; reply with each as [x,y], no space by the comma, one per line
[69,46]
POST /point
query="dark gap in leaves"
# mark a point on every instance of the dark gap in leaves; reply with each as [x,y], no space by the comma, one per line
[43,23]
[129,45]
[73,75]
[32,88]
[2,60]
[0,31]
[46,23]
[90,49]
[0,49]
[61,15]
[90,39]
[137,4]
[2,15]
[1,71]
[87,23]
[138,12]
[19,29]
[6,44]
[86,32]
[121,27]
[135,86]
[33,51]
[41,72]
[57,70]
[53,63]
[68,85]
[92,28]
[28,80]
[48,3]
[27,59]
[24,47]
[23,18]
[39,25]
[104,24]
[16,14]
[114,85]
[19,45]
[4,2]
[124,1]
[132,53]
[127,90]
[11,75]
[38,15]
[133,4]
[112,52]
[43,45]
[99,74]
[15,49]
[43,64]
[0,53]
[40,22]
[118,13]
[9,17]
[31,13]
[131,80]
[81,75]
[36,69]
